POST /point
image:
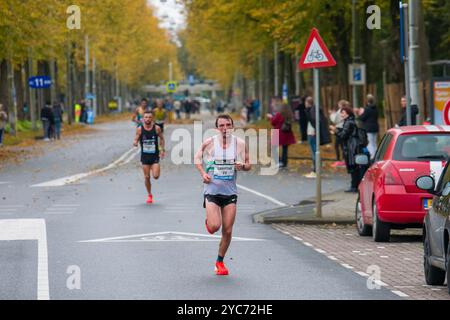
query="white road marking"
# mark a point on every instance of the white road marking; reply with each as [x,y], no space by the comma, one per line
[399,293]
[297,238]
[167,236]
[332,258]
[30,229]
[362,274]
[320,251]
[307,244]
[71,179]
[281,204]
[346,266]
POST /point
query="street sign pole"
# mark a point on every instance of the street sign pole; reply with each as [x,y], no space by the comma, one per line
[318,162]
[316,55]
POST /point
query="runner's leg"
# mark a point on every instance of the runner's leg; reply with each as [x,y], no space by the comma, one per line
[213,216]
[148,185]
[156,170]
[228,217]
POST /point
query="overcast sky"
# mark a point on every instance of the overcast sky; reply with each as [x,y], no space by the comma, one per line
[170,13]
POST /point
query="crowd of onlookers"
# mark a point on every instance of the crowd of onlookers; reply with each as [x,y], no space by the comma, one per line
[355,131]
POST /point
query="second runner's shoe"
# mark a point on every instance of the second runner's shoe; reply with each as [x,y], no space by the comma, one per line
[150,199]
[220,269]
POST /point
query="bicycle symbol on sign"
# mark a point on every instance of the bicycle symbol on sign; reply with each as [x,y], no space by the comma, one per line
[315,54]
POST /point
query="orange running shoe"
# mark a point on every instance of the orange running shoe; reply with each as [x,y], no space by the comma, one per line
[220,269]
[150,199]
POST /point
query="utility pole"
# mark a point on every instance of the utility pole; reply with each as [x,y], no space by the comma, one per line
[53,76]
[275,49]
[356,57]
[94,89]
[86,71]
[170,71]
[297,75]
[31,91]
[69,99]
[414,52]
[405,44]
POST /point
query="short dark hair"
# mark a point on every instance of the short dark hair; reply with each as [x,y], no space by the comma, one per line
[223,116]
[144,99]
[148,111]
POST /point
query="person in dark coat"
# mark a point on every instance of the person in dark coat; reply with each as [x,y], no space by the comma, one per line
[414,113]
[48,121]
[302,119]
[351,145]
[283,120]
[369,121]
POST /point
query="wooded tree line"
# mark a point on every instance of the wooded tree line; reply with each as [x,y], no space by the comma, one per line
[233,41]
[129,48]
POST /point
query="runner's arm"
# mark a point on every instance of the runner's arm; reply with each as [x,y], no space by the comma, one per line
[137,137]
[246,166]
[134,117]
[162,142]
[198,161]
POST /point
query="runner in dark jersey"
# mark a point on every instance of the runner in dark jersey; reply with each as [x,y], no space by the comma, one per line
[151,140]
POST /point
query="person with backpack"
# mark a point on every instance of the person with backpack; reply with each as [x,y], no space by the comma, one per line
[352,145]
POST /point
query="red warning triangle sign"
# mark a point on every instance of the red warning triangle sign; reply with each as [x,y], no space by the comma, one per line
[316,53]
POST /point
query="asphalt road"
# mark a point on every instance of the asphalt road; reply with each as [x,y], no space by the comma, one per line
[101,241]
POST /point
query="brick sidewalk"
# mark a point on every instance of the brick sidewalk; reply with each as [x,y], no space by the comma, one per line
[400,261]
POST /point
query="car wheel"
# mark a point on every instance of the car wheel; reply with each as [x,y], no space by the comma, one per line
[433,275]
[363,229]
[381,231]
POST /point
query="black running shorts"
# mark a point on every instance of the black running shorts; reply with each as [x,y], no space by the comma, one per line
[220,200]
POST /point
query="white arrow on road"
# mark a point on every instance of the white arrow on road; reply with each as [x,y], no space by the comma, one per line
[30,229]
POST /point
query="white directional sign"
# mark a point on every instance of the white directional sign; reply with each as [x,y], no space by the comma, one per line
[167,236]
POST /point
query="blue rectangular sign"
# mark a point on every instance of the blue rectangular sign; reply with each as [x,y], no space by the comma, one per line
[40,82]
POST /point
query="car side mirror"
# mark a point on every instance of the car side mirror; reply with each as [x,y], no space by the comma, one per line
[426,183]
[362,159]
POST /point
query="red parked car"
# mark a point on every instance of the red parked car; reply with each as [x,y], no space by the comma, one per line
[388,197]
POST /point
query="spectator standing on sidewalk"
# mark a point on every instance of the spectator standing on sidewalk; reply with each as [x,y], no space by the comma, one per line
[177,107]
[414,113]
[336,120]
[58,116]
[303,120]
[48,120]
[349,137]
[369,120]
[3,120]
[311,131]
[282,120]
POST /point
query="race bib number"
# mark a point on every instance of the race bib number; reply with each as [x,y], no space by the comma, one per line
[149,146]
[224,170]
